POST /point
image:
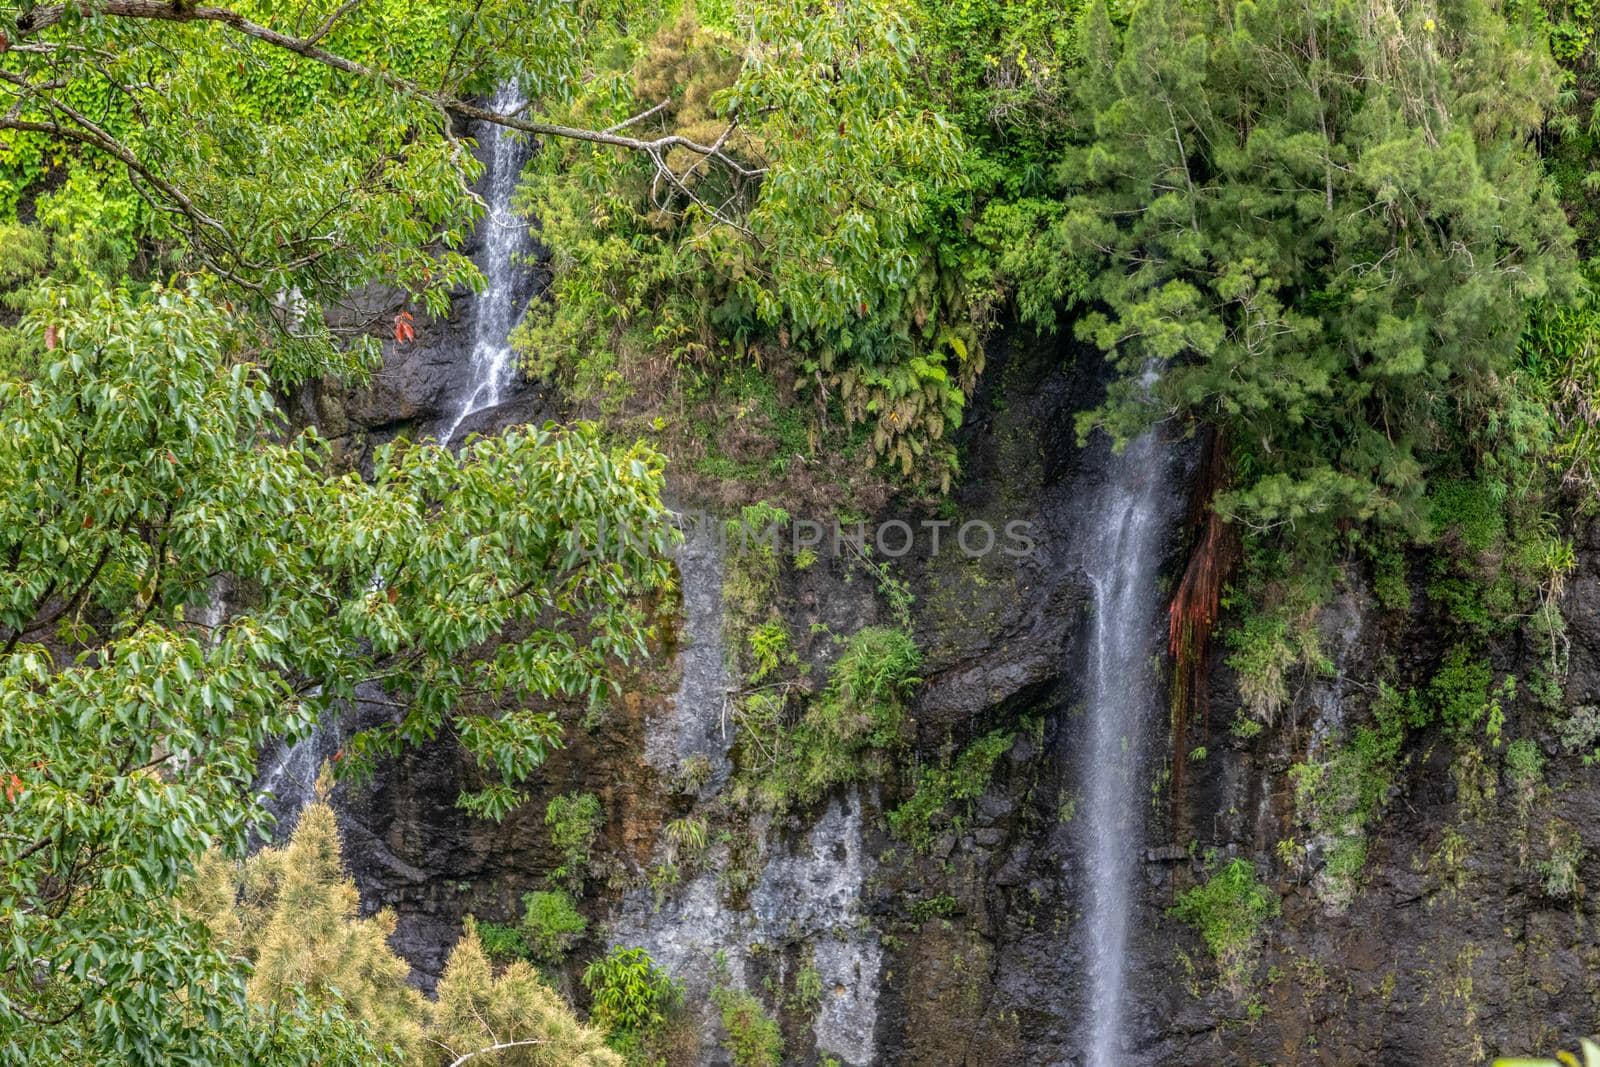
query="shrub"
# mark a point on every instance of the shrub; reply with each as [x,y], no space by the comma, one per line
[1340,798]
[1558,875]
[753,1036]
[631,994]
[1267,647]
[574,820]
[1228,910]
[693,774]
[551,925]
[941,786]
[750,579]
[502,943]
[1524,771]
[1459,691]
[859,715]
[769,645]
[807,990]
[477,1009]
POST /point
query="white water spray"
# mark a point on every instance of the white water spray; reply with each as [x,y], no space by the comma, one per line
[1125,528]
[492,366]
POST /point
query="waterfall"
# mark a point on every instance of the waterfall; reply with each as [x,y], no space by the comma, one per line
[288,773]
[1125,528]
[492,367]
[287,781]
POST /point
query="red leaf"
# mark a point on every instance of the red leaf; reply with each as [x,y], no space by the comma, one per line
[403,329]
[50,337]
[13,788]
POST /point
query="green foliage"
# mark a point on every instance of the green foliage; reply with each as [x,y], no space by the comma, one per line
[1266,647]
[769,647]
[294,914]
[951,782]
[142,457]
[1524,773]
[1319,271]
[551,924]
[1559,875]
[1341,797]
[574,821]
[502,942]
[202,145]
[632,996]
[1572,132]
[754,1039]
[1580,731]
[1458,695]
[846,731]
[750,587]
[1524,764]
[830,280]
[1228,910]
[807,996]
[934,907]
[477,1009]
[1560,354]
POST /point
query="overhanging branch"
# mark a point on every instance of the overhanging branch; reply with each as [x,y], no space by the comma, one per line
[41,18]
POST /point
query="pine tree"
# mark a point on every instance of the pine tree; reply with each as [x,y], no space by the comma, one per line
[295,914]
[1319,223]
[479,1010]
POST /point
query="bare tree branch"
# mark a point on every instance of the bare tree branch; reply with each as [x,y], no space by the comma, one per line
[327,24]
[496,1048]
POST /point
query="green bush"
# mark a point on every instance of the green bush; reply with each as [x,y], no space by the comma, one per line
[1341,797]
[940,786]
[502,943]
[858,717]
[754,1039]
[1558,875]
[631,994]
[1524,764]
[551,925]
[807,990]
[574,820]
[768,647]
[1459,692]
[1228,910]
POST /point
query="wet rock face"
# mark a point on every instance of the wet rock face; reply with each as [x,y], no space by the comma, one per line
[971,953]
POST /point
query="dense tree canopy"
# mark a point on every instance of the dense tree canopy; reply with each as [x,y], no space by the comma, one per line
[141,471]
[1316,225]
[1341,240]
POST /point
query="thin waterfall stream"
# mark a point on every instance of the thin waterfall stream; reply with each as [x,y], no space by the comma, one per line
[1127,525]
[506,239]
[287,776]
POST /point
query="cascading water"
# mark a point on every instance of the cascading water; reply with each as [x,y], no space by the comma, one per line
[288,774]
[1126,527]
[506,239]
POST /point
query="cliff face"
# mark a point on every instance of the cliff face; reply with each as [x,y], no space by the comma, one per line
[1452,947]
